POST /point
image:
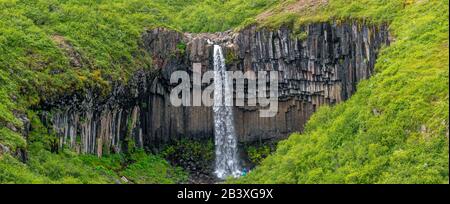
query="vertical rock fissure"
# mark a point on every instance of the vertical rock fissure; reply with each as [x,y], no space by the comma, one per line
[227,163]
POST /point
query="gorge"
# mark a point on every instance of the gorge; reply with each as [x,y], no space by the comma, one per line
[318,64]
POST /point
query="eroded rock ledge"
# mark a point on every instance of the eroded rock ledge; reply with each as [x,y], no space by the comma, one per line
[319,64]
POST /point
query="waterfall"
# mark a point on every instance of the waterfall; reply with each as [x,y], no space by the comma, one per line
[224,133]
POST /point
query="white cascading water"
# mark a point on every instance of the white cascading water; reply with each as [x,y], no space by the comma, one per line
[227,163]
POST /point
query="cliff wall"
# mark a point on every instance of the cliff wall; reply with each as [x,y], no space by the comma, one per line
[318,64]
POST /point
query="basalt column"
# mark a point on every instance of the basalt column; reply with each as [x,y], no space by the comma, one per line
[319,63]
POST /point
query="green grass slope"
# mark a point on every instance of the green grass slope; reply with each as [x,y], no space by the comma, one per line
[68,168]
[49,48]
[54,47]
[395,128]
[65,166]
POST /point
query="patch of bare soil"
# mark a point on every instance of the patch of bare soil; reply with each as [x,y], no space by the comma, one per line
[296,7]
[76,59]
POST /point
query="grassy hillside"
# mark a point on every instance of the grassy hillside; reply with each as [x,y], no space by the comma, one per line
[395,128]
[54,47]
[67,167]
[46,166]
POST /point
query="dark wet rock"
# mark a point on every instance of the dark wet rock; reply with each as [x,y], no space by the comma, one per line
[318,64]
[21,154]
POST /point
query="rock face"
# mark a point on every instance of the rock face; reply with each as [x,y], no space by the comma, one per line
[317,64]
[3,149]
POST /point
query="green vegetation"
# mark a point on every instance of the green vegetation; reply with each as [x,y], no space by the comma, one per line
[256,154]
[230,58]
[54,47]
[219,15]
[191,155]
[395,128]
[48,164]
[137,167]
[181,48]
[67,167]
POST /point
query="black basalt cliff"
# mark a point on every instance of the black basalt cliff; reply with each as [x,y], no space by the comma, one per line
[318,64]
